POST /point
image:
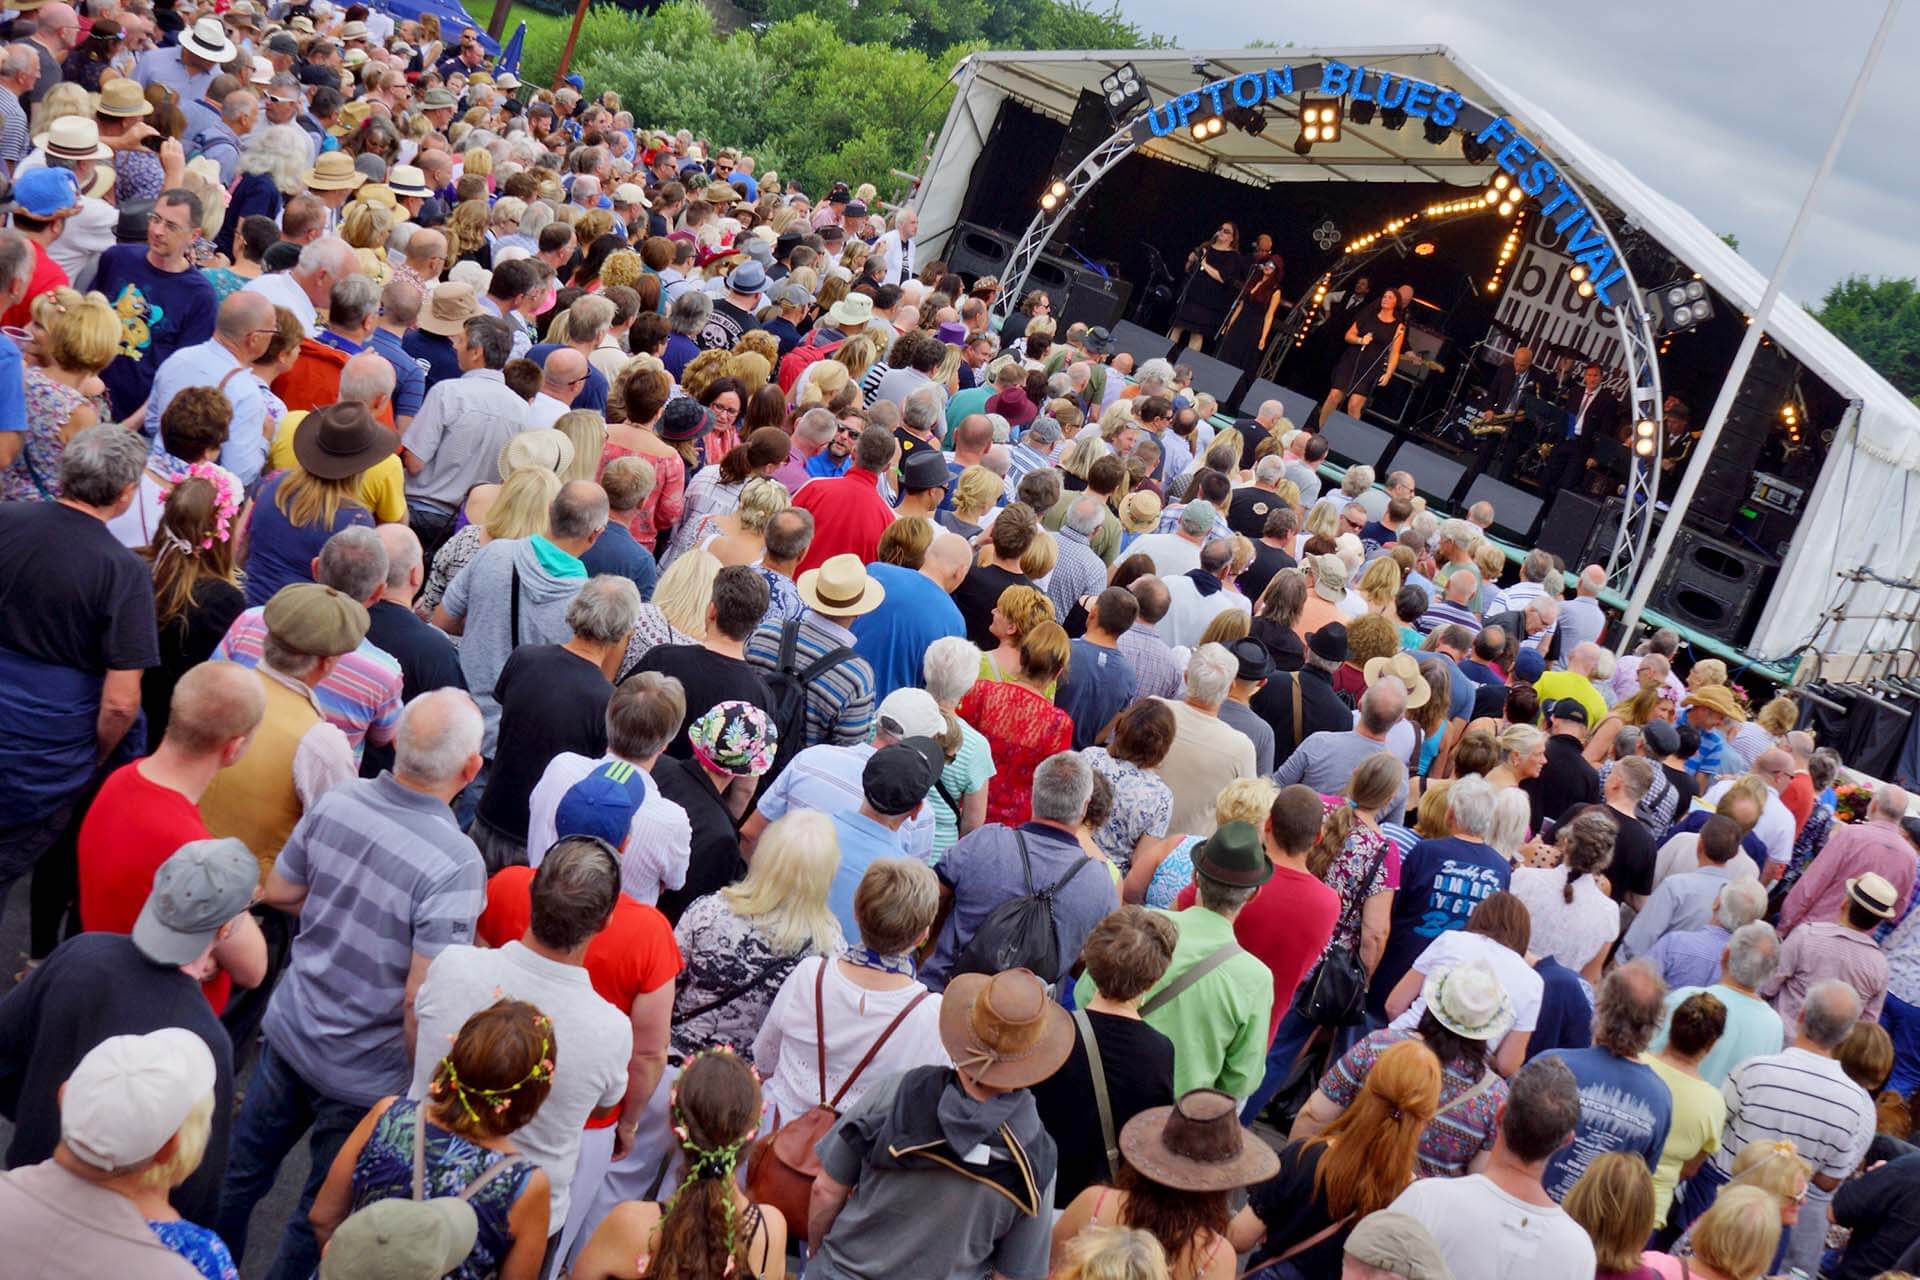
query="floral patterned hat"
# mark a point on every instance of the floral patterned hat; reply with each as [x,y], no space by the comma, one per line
[735,738]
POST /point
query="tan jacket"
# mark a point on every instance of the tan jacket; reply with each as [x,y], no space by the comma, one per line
[61,1227]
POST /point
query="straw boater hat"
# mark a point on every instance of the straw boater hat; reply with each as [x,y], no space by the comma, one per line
[73,138]
[1468,1000]
[1197,1144]
[1407,668]
[341,440]
[1715,697]
[334,171]
[841,588]
[1875,893]
[543,449]
[408,180]
[1002,1029]
[243,12]
[207,39]
[122,99]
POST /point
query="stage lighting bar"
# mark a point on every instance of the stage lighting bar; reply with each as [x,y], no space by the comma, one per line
[1683,304]
[1319,122]
[1475,151]
[1210,127]
[1393,117]
[1054,196]
[1123,90]
[1362,112]
[1319,297]
[1581,285]
[1643,442]
[1508,249]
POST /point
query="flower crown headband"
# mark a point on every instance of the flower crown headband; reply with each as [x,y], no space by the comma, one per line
[498,1100]
[227,497]
[718,1162]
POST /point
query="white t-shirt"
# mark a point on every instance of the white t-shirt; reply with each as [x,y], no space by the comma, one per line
[1571,932]
[1682,854]
[1486,1234]
[659,839]
[786,1050]
[1775,827]
[596,1039]
[1523,986]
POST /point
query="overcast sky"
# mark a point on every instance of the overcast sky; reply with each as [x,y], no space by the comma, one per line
[1726,107]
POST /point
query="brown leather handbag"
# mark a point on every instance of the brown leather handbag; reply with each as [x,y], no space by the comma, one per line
[782,1166]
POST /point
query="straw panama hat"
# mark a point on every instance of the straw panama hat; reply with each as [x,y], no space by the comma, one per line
[1407,668]
[841,587]
[1468,1000]
[334,171]
[1140,511]
[543,449]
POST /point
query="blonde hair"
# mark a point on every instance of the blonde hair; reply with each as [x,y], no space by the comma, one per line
[1245,800]
[519,509]
[83,331]
[1324,520]
[366,226]
[1613,1200]
[1709,671]
[1379,582]
[621,267]
[1113,1253]
[64,99]
[824,380]
[588,431]
[1778,716]
[1024,608]
[1739,1234]
[895,903]
[1489,559]
[1227,626]
[478,160]
[784,893]
[307,499]
[686,589]
[1775,1167]
[761,499]
[1519,741]
[1041,555]
[189,1148]
[977,489]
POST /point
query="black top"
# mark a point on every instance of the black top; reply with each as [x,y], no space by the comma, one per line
[715,862]
[1252,436]
[709,679]
[1321,710]
[186,642]
[1567,780]
[94,986]
[1681,781]
[427,661]
[1138,1062]
[976,596]
[70,594]
[1289,651]
[551,701]
[1267,561]
[1293,1211]
[1206,299]
[1883,1208]
[1634,851]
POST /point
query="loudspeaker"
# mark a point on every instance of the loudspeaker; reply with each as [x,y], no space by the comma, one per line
[1727,478]
[1514,509]
[1567,531]
[1093,300]
[1138,341]
[1712,585]
[1300,409]
[976,251]
[1435,474]
[1215,377]
[1350,440]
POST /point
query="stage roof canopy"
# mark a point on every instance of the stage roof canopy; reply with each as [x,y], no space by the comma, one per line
[1876,466]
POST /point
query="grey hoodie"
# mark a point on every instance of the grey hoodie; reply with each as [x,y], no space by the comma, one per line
[482,594]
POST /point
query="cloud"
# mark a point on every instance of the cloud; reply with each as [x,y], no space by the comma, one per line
[1723,107]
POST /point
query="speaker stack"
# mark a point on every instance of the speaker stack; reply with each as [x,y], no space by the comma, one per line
[1708,584]
[1728,477]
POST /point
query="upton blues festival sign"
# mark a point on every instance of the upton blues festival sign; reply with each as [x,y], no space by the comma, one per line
[1581,233]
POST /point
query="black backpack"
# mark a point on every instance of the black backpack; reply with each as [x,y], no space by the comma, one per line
[1020,933]
[788,688]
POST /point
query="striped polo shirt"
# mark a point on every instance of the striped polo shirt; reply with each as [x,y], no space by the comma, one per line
[361,694]
[1803,1098]
[840,705]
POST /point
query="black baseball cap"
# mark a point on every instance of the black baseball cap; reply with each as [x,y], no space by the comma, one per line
[1567,709]
[899,775]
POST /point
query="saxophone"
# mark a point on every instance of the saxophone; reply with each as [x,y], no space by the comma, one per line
[1493,424]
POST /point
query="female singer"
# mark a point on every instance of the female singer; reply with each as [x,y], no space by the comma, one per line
[1373,350]
[1251,322]
[1214,274]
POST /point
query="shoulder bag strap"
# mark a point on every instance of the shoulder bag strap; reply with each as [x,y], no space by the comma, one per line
[1080,864]
[1192,975]
[419,1151]
[513,608]
[820,1023]
[874,1049]
[1311,1240]
[940,785]
[732,993]
[505,1164]
[789,637]
[1299,722]
[1484,1083]
[825,663]
[1026,861]
[1097,1070]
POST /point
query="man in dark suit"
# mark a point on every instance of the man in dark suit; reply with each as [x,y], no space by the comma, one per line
[1511,386]
[1321,709]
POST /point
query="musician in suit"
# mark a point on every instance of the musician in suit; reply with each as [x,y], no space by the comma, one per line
[1680,437]
[1511,386]
[1592,411]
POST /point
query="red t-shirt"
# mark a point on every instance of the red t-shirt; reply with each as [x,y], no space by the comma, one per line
[47,276]
[1798,797]
[133,827]
[1287,927]
[633,955]
[849,515]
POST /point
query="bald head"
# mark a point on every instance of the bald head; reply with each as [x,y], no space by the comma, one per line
[1585,658]
[1889,801]
[564,375]
[426,246]
[974,434]
[1271,411]
[215,706]
[1592,579]
[404,558]
[1462,586]
[366,379]
[1801,746]
[242,314]
[947,559]
[1774,761]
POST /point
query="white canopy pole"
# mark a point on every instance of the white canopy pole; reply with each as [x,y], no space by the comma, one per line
[1649,569]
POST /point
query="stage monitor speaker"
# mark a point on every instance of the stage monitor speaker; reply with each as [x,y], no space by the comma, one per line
[1715,586]
[1434,473]
[1350,440]
[976,251]
[1567,531]
[1215,377]
[1093,300]
[1514,509]
[1299,409]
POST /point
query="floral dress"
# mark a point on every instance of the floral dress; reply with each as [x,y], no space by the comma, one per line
[1022,729]
[1365,847]
[1469,1113]
[198,1245]
[384,1171]
[454,555]
[34,474]
[732,975]
[661,508]
[708,498]
[1142,806]
[1174,873]
[650,629]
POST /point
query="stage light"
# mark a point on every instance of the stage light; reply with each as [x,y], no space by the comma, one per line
[1211,127]
[1474,150]
[1393,117]
[1436,134]
[1586,289]
[1577,272]
[1493,286]
[1424,249]
[1123,90]
[1362,112]
[1055,193]
[1644,428]
[1319,123]
[1506,209]
[1501,182]
[1643,447]
[1680,304]
[1301,146]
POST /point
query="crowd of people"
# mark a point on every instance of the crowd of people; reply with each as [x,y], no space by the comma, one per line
[656,735]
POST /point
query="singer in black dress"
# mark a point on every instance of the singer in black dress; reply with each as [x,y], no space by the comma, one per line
[1213,282]
[1373,343]
[1251,322]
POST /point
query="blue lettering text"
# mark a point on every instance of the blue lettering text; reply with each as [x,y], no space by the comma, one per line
[1335,78]
[1247,89]
[1419,99]
[1280,83]
[1390,92]
[1446,108]
[1516,153]
[1535,179]
[1184,106]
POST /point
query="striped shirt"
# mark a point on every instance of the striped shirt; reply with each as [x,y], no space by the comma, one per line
[840,703]
[1078,571]
[1023,459]
[14,142]
[1442,612]
[1152,662]
[388,876]
[1803,1098]
[361,695]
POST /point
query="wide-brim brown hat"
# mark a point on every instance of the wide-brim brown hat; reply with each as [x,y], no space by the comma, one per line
[1004,1030]
[841,587]
[1716,697]
[1197,1144]
[341,440]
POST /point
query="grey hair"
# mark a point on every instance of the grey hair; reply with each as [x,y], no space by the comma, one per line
[353,562]
[1628,1008]
[1382,705]
[574,892]
[1197,518]
[1741,903]
[689,313]
[1153,373]
[101,463]
[1536,566]
[1426,527]
[1222,899]
[1270,469]
[589,318]
[1511,817]
[1461,533]
[952,666]
[1753,953]
[1831,1009]
[604,609]
[922,410]
[365,377]
[1358,480]
[816,425]
[352,300]
[1627,742]
[507,209]
[280,152]
[578,510]
[1210,673]
[235,108]
[538,217]
[1470,803]
[16,252]
[1086,515]
[788,535]
[404,553]
[329,254]
[1062,784]
[440,731]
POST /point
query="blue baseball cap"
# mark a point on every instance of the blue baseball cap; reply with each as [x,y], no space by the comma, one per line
[602,804]
[46,193]
[578,84]
[1528,666]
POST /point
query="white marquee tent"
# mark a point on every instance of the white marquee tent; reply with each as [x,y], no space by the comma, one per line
[1866,504]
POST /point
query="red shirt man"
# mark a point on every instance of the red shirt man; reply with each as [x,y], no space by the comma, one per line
[849,515]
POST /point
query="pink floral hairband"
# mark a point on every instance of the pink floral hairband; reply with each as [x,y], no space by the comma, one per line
[226,496]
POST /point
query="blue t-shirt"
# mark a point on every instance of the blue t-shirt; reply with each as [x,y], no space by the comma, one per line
[409,372]
[1098,685]
[1566,1017]
[160,312]
[1460,688]
[1441,882]
[894,638]
[617,553]
[593,392]
[822,467]
[281,552]
[13,387]
[442,362]
[1624,1106]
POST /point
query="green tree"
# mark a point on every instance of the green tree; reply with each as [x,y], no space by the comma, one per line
[1880,320]
[1731,240]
